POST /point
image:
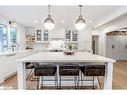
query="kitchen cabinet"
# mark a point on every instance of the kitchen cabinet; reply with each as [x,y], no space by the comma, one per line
[42,36]
[38,35]
[71,39]
[71,36]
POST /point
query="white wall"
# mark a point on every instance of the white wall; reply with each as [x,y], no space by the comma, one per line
[21,30]
[85,39]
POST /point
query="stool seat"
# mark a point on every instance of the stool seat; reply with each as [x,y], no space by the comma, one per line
[70,70]
[93,70]
[45,70]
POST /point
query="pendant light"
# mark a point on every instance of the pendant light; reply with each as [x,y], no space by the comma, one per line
[80,22]
[49,23]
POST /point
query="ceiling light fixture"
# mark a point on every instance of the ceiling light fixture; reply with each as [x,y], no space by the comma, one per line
[62,21]
[49,22]
[80,22]
[13,23]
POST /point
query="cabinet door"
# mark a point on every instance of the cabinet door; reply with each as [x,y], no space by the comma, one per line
[39,35]
[68,35]
[74,35]
[45,35]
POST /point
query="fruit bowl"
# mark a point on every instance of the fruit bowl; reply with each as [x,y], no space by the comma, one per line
[69,52]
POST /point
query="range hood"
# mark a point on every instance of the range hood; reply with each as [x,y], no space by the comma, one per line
[57,37]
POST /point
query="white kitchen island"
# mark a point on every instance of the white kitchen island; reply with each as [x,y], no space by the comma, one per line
[60,58]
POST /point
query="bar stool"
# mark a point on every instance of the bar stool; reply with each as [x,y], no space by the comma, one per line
[93,70]
[45,70]
[69,70]
[30,65]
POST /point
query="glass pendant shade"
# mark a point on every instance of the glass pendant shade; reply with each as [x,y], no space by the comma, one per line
[49,23]
[80,23]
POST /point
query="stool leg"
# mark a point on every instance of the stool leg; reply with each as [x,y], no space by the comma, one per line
[60,83]
[75,82]
[37,82]
[78,82]
[93,82]
[42,83]
[56,81]
[81,80]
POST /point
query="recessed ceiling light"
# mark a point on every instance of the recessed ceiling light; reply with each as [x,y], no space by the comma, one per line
[62,21]
[35,21]
[90,21]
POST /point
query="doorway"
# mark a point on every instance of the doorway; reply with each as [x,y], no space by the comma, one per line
[95,44]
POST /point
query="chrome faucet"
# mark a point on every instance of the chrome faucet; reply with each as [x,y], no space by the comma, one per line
[14,46]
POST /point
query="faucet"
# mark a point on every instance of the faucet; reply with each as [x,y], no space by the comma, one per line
[14,45]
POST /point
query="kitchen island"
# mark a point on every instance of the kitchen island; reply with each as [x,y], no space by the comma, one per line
[60,58]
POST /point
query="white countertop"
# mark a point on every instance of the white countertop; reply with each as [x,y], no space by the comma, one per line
[61,57]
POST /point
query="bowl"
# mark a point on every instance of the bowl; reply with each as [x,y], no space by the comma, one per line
[69,52]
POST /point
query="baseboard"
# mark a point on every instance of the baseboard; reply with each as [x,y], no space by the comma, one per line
[10,76]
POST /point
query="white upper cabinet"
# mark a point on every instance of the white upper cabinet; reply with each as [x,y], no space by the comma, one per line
[71,36]
[42,36]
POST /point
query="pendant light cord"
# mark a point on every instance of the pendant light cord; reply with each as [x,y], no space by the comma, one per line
[80,10]
[80,6]
[49,9]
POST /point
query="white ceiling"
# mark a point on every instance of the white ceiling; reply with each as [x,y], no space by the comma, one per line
[26,15]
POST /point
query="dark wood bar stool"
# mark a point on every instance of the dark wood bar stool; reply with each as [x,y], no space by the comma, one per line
[30,65]
[93,70]
[45,70]
[69,70]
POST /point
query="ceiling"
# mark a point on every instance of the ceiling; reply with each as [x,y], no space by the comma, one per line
[34,16]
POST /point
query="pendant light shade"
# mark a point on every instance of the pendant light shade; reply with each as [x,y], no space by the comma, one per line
[80,22]
[49,23]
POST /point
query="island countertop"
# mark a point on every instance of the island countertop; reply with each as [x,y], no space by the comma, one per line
[61,57]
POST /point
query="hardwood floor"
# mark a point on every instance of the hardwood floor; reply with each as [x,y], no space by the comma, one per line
[120,75]
[119,78]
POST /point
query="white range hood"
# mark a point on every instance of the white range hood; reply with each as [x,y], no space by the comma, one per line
[57,35]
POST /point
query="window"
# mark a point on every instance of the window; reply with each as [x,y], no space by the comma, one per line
[7,38]
[13,37]
[3,38]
